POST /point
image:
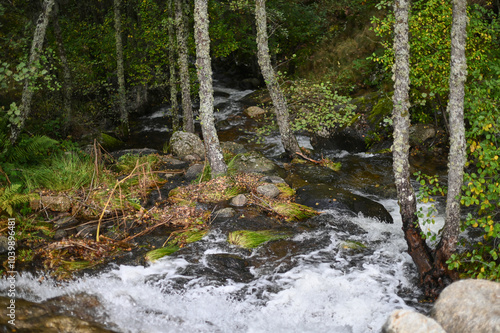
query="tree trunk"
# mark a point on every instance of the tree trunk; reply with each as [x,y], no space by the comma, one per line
[36,47]
[457,155]
[68,87]
[287,138]
[204,70]
[122,101]
[417,247]
[182,35]
[172,64]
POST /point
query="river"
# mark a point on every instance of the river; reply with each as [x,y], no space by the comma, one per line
[314,282]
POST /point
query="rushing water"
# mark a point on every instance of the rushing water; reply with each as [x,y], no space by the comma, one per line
[318,286]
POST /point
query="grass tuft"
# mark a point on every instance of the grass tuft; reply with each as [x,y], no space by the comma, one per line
[252,239]
[294,211]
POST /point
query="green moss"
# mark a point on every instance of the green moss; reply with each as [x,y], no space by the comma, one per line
[161,252]
[109,142]
[382,109]
[285,190]
[174,245]
[252,239]
[294,211]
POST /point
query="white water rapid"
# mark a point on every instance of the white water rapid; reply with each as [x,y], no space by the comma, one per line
[327,290]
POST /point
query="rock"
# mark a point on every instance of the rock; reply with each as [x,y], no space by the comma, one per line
[173,163]
[254,111]
[233,147]
[419,133]
[231,266]
[225,212]
[238,201]
[272,179]
[109,142]
[65,222]
[4,244]
[469,306]
[268,190]
[56,204]
[64,314]
[194,171]
[407,321]
[321,196]
[254,162]
[184,143]
[192,158]
[348,139]
[60,234]
[139,152]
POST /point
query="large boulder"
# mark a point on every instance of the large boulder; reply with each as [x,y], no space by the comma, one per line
[419,133]
[254,162]
[407,321]
[323,197]
[469,306]
[183,144]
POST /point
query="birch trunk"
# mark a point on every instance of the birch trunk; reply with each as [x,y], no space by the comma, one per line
[457,155]
[172,63]
[417,247]
[182,35]
[204,70]
[68,87]
[122,102]
[36,47]
[287,138]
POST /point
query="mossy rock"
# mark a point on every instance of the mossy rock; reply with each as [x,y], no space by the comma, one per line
[382,109]
[109,142]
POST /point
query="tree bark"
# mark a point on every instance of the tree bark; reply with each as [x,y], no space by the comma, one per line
[36,47]
[417,247]
[204,71]
[122,101]
[287,138]
[182,35]
[457,155]
[172,63]
[68,86]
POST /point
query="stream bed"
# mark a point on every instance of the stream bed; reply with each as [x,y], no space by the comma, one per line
[341,272]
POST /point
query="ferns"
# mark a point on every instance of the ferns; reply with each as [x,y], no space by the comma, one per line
[10,197]
[27,150]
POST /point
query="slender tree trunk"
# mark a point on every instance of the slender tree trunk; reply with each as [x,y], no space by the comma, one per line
[287,138]
[171,60]
[204,69]
[182,35]
[417,247]
[457,155]
[36,47]
[68,87]
[122,101]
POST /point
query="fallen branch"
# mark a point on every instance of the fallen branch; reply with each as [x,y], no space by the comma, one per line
[308,159]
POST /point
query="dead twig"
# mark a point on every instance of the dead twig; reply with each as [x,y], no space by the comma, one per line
[145,231]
